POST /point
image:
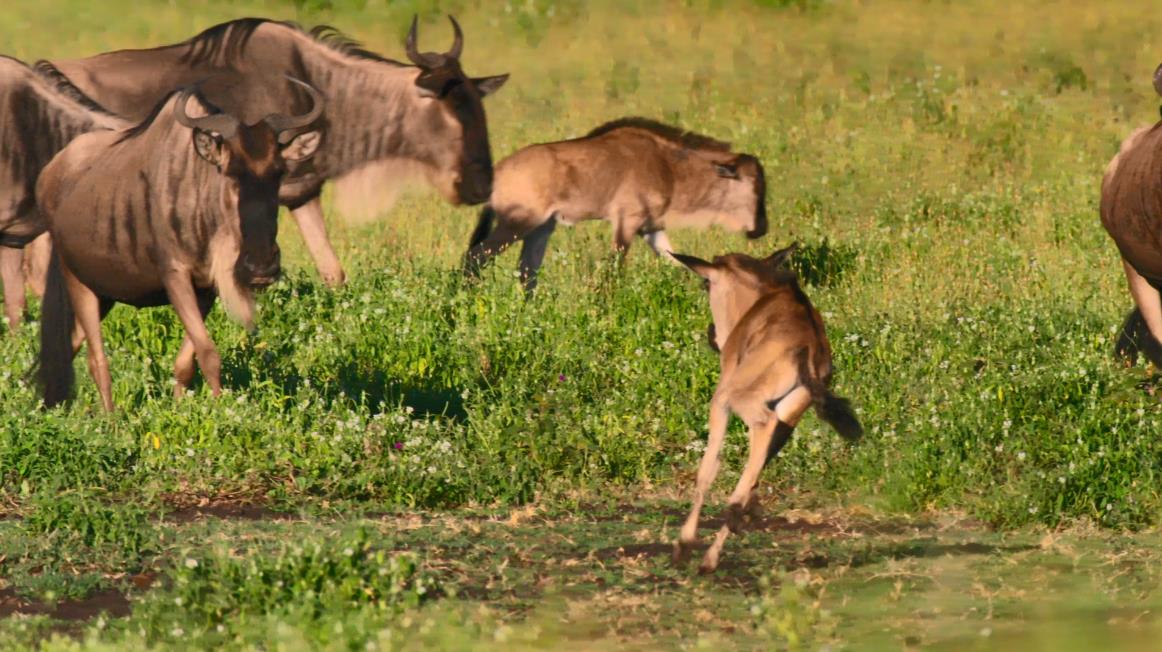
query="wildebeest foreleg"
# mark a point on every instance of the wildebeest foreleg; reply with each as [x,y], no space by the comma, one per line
[87,307]
[186,304]
[183,366]
[532,253]
[1148,300]
[13,280]
[309,217]
[625,227]
[707,470]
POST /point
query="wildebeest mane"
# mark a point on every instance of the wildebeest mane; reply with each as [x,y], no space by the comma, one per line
[66,87]
[680,137]
[229,40]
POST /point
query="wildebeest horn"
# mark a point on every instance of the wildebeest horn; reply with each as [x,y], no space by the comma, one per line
[458,41]
[281,123]
[220,123]
[1158,79]
[410,44]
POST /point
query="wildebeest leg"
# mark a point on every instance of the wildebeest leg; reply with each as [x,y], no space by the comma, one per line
[13,281]
[309,217]
[625,228]
[87,307]
[660,243]
[183,366]
[36,257]
[496,242]
[532,253]
[707,470]
[186,304]
[1148,300]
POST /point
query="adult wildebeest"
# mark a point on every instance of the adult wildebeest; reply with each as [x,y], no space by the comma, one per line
[37,119]
[1131,212]
[776,362]
[640,175]
[426,117]
[175,210]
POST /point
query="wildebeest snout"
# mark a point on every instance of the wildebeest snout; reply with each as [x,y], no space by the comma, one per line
[475,185]
[760,226]
[261,271]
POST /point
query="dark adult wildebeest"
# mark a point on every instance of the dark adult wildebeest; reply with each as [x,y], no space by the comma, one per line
[776,362]
[1131,212]
[640,175]
[426,117]
[37,119]
[175,210]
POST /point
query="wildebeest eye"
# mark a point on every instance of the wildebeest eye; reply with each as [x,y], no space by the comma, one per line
[726,170]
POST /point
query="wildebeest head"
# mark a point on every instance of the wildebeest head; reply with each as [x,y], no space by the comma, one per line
[254,159]
[734,282]
[741,191]
[454,118]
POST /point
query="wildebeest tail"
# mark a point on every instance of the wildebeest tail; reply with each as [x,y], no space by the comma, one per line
[833,409]
[1136,337]
[54,367]
[483,226]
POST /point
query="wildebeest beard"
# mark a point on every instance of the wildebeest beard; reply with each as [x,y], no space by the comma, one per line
[259,258]
[711,338]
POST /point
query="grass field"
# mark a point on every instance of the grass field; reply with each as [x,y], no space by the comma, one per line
[407,463]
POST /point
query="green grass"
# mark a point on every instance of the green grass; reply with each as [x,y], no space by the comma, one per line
[940,162]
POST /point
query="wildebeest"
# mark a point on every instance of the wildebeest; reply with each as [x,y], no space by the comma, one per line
[1131,212]
[426,117]
[176,210]
[37,119]
[640,175]
[776,362]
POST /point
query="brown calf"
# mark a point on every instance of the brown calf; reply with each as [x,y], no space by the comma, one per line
[776,363]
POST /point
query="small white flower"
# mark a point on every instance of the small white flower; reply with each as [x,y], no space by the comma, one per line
[1021,456]
[191,563]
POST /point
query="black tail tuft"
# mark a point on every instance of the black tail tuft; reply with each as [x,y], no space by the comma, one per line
[54,367]
[1136,338]
[837,412]
[483,227]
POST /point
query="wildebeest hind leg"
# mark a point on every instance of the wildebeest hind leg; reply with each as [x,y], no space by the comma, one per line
[532,253]
[87,307]
[496,242]
[707,470]
[187,305]
[1149,304]
[660,243]
[12,275]
[183,366]
[760,441]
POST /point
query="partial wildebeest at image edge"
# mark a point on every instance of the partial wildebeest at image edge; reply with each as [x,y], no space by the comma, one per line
[191,213]
[425,117]
[640,175]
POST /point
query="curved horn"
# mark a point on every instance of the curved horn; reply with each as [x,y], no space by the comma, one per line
[410,44]
[457,41]
[220,123]
[1158,79]
[280,122]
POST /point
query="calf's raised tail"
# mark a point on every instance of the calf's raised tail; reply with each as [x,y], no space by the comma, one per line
[1136,337]
[54,368]
[833,409]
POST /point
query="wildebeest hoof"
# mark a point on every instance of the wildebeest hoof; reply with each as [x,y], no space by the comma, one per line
[334,280]
[681,552]
[709,564]
[735,517]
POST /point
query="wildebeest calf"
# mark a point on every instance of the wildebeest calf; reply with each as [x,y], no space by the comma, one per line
[175,210]
[776,362]
[641,176]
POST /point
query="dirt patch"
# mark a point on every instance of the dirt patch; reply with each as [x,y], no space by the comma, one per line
[109,601]
[186,510]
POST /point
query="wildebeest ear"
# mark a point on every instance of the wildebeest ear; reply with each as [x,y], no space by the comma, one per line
[1158,79]
[726,170]
[779,258]
[696,265]
[209,146]
[489,85]
[302,146]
